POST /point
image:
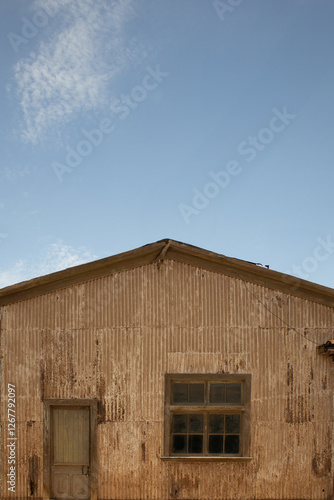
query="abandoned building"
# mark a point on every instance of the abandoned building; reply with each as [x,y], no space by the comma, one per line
[167,372]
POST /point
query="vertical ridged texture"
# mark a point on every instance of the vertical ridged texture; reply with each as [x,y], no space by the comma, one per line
[114,338]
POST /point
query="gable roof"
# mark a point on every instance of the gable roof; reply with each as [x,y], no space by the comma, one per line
[174,250]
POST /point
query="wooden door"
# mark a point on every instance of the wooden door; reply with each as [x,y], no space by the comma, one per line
[70,452]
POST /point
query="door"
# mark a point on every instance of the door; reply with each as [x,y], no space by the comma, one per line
[70,452]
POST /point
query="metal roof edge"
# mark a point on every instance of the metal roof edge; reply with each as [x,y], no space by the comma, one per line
[251,272]
[175,250]
[80,273]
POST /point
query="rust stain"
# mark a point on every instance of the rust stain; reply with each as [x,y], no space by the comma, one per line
[322,463]
[143,451]
[299,408]
[183,484]
[311,380]
[33,474]
[303,410]
[289,405]
[42,379]
[290,375]
[101,407]
[58,358]
[66,350]
[174,491]
[280,301]
[324,383]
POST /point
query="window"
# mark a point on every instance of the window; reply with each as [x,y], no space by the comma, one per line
[207,416]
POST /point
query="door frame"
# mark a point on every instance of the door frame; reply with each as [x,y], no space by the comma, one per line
[48,404]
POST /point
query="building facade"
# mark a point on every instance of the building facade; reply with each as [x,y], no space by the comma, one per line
[166,372]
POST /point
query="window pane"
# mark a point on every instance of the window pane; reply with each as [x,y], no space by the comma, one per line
[231,444]
[179,423]
[71,435]
[208,415]
[195,423]
[196,393]
[217,393]
[216,444]
[180,393]
[233,393]
[232,424]
[195,444]
[216,424]
[180,444]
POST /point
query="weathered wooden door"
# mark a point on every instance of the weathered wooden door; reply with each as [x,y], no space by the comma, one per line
[70,453]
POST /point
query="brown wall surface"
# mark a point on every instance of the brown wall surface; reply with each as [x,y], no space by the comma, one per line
[114,339]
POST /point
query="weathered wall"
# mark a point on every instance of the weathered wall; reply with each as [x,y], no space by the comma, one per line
[114,338]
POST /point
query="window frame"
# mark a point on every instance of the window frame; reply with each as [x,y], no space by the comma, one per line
[206,408]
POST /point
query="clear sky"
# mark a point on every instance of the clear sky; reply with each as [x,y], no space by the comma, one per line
[206,121]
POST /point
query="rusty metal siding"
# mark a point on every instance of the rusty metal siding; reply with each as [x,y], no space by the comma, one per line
[114,338]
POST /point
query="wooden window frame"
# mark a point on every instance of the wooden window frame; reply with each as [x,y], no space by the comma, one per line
[207,408]
[48,404]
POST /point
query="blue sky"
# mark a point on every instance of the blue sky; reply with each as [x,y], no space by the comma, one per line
[205,121]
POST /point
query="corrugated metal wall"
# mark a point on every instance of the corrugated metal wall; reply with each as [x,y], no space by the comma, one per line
[114,338]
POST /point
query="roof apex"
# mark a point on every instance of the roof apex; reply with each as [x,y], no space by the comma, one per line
[156,253]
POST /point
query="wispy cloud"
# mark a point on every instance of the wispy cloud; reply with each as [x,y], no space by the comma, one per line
[72,69]
[16,171]
[57,256]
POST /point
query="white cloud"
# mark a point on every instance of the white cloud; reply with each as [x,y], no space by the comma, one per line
[13,275]
[72,69]
[57,257]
